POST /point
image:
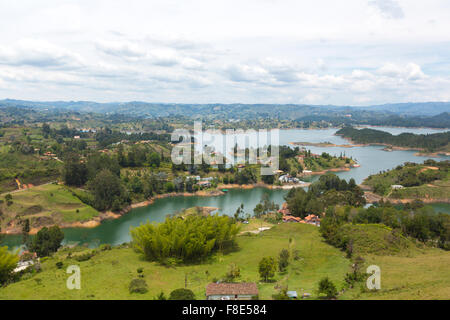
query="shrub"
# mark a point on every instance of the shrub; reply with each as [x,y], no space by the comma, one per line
[59,264]
[8,262]
[105,247]
[283,260]
[84,256]
[182,294]
[328,288]
[138,286]
[161,296]
[189,239]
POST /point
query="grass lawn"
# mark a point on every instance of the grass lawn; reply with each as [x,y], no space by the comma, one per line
[424,276]
[108,274]
[49,200]
[437,190]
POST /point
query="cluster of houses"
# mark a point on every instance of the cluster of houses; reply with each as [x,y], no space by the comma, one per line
[311,219]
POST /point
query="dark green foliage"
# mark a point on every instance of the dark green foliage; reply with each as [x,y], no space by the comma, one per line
[327,288]
[182,294]
[98,162]
[8,262]
[47,241]
[161,296]
[430,142]
[85,256]
[246,176]
[283,260]
[267,268]
[75,172]
[138,286]
[108,191]
[154,159]
[421,223]
[189,239]
[330,190]
[408,175]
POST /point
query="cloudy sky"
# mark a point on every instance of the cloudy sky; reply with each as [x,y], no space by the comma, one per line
[352,52]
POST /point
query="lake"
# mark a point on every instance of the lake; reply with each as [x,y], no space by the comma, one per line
[372,160]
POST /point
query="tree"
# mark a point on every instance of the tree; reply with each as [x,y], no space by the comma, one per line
[154,159]
[25,231]
[267,268]
[283,260]
[46,130]
[47,241]
[234,272]
[75,172]
[8,262]
[268,179]
[98,162]
[107,189]
[327,288]
[182,294]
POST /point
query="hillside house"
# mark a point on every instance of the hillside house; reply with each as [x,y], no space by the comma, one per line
[204,184]
[231,291]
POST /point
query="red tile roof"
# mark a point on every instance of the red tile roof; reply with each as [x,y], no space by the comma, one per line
[232,289]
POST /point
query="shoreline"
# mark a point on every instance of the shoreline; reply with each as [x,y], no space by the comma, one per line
[372,197]
[109,215]
[389,148]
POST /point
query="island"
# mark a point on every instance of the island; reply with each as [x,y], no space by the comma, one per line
[427,145]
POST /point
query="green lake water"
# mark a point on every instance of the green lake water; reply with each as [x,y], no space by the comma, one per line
[372,160]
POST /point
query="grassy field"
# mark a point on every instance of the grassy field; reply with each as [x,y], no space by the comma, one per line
[423,274]
[434,189]
[108,274]
[46,202]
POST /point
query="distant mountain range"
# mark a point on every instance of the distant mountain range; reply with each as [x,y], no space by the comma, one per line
[417,108]
[436,112]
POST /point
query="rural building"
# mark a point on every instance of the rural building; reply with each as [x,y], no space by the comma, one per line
[291,219]
[231,291]
[312,219]
[204,184]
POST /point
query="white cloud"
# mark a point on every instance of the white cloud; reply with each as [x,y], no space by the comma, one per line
[388,8]
[325,52]
[39,53]
[410,71]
